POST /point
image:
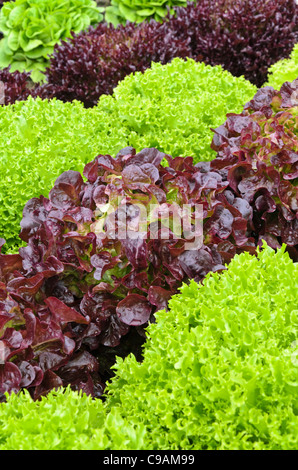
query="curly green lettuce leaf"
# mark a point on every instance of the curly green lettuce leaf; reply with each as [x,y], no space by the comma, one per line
[136,11]
[284,70]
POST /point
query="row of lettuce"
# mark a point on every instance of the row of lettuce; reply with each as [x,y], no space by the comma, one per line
[219,371]
[75,299]
[172,107]
[70,52]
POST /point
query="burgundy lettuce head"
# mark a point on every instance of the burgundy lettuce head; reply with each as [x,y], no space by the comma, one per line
[244,36]
[96,269]
[258,154]
[94,61]
[16,86]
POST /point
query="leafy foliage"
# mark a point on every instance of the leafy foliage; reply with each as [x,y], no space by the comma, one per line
[245,39]
[15,86]
[284,70]
[62,420]
[244,36]
[93,62]
[169,107]
[94,269]
[32,28]
[137,11]
[48,137]
[65,420]
[220,368]
[177,99]
[257,151]
[219,372]
[85,287]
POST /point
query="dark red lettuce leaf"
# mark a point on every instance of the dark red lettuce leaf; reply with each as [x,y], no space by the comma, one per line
[257,153]
[80,292]
[134,310]
[93,62]
[244,36]
[16,85]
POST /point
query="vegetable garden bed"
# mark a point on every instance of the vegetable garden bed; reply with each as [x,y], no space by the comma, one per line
[148,225]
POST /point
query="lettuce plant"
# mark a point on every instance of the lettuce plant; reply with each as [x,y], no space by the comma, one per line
[137,11]
[169,107]
[62,420]
[65,420]
[284,70]
[244,36]
[183,98]
[94,271]
[15,86]
[257,150]
[93,62]
[48,137]
[245,40]
[219,373]
[32,28]
[220,368]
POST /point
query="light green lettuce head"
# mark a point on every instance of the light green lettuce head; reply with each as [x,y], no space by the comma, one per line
[175,106]
[220,368]
[32,28]
[136,11]
[284,70]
